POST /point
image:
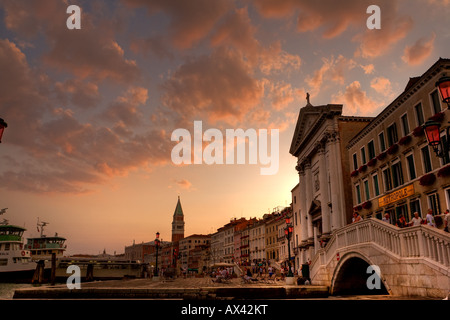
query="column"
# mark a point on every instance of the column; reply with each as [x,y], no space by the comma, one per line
[343,216]
[302,199]
[309,197]
[334,186]
[323,180]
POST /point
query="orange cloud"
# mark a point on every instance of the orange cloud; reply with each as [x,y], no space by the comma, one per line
[219,85]
[419,51]
[374,43]
[126,108]
[54,151]
[335,18]
[355,101]
[183,183]
[382,86]
[333,69]
[77,92]
[190,21]
[89,52]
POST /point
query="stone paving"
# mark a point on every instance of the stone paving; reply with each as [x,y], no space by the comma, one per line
[190,282]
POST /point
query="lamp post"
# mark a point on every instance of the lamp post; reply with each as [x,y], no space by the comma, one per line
[3,125]
[157,244]
[432,128]
[443,85]
[288,232]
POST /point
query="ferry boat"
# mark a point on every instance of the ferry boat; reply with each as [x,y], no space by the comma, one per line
[16,264]
[43,247]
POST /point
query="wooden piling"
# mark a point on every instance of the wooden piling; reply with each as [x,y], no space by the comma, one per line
[90,272]
[38,276]
[53,273]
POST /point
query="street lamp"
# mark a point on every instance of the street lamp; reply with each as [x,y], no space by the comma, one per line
[157,244]
[288,232]
[431,128]
[3,125]
[444,88]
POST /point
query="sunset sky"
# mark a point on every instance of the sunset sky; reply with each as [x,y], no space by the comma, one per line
[90,112]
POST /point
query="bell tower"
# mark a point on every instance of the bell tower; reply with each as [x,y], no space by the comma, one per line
[178,223]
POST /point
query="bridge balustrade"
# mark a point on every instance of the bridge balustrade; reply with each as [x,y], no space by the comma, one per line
[411,242]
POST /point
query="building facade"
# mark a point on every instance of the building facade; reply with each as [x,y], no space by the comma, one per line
[256,234]
[217,246]
[187,245]
[319,142]
[393,170]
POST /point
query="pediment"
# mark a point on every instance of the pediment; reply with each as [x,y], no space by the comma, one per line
[315,206]
[310,117]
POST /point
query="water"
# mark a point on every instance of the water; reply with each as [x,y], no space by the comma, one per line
[7,289]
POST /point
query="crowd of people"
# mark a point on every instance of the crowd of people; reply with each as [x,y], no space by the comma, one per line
[415,221]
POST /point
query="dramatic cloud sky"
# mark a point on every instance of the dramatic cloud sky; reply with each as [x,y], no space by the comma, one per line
[91,111]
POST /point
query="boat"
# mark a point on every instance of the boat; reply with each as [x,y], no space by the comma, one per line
[43,247]
[101,268]
[16,264]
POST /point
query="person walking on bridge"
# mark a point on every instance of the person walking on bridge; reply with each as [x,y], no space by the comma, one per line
[416,220]
[430,218]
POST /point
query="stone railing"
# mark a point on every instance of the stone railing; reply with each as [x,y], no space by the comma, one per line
[419,241]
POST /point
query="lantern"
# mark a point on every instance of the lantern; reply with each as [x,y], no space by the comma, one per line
[432,133]
[444,88]
[3,125]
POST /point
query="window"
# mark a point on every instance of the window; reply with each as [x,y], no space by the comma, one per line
[405,124]
[316,181]
[366,189]
[392,134]
[358,193]
[397,174]
[355,162]
[435,103]
[426,159]
[433,202]
[363,155]
[382,142]
[419,114]
[376,186]
[387,179]
[371,149]
[446,158]
[402,210]
[447,197]
[411,166]
[414,206]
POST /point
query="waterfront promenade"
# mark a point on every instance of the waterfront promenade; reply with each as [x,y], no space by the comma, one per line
[180,288]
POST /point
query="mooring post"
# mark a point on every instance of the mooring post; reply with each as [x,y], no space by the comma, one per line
[38,276]
[53,274]
[90,272]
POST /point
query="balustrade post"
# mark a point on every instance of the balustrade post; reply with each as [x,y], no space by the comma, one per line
[403,249]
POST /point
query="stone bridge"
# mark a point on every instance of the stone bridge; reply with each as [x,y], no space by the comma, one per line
[413,261]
